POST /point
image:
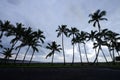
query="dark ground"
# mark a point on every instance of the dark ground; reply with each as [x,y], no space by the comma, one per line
[59,74]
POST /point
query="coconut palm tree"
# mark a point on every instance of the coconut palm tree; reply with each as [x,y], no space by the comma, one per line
[92,36]
[112,38]
[62,30]
[54,48]
[18,32]
[74,32]
[27,40]
[100,41]
[7,52]
[84,36]
[77,40]
[37,37]
[96,17]
[34,47]
[5,27]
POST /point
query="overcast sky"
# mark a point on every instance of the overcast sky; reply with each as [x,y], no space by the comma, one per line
[48,14]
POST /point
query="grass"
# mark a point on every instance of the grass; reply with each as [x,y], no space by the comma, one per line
[60,65]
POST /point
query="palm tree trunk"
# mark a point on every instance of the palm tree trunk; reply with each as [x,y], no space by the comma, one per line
[104,55]
[52,58]
[73,53]
[86,53]
[110,53]
[96,56]
[63,48]
[1,34]
[17,55]
[32,57]
[80,53]
[113,56]
[25,54]
[99,26]
[118,53]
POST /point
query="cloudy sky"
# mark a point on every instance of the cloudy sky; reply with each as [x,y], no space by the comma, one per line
[48,14]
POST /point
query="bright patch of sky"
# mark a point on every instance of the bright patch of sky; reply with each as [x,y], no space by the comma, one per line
[48,14]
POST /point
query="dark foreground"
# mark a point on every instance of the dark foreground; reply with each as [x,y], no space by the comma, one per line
[59,74]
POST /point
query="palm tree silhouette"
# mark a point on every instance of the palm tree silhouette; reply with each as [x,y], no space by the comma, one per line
[74,32]
[37,35]
[62,30]
[54,48]
[77,40]
[18,32]
[84,36]
[27,40]
[92,36]
[5,27]
[7,52]
[99,42]
[112,38]
[96,17]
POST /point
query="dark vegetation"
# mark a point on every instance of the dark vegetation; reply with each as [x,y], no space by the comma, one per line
[21,37]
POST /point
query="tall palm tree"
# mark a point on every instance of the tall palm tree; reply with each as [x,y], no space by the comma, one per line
[27,40]
[92,36]
[18,32]
[77,40]
[54,48]
[96,17]
[62,30]
[37,37]
[34,47]
[100,41]
[112,38]
[84,36]
[74,32]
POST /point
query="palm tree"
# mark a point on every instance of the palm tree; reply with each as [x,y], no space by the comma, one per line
[5,28]
[7,52]
[27,40]
[34,47]
[96,17]
[37,35]
[100,41]
[74,32]
[54,48]
[84,36]
[77,40]
[92,36]
[18,33]
[112,38]
[62,30]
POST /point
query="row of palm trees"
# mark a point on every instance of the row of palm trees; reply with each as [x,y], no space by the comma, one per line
[22,37]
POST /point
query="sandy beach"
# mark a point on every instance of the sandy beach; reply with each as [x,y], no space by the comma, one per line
[59,74]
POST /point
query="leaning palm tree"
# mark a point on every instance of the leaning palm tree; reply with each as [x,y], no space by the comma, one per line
[84,36]
[99,44]
[96,17]
[27,40]
[92,37]
[35,42]
[112,38]
[62,30]
[18,32]
[34,47]
[74,32]
[54,48]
